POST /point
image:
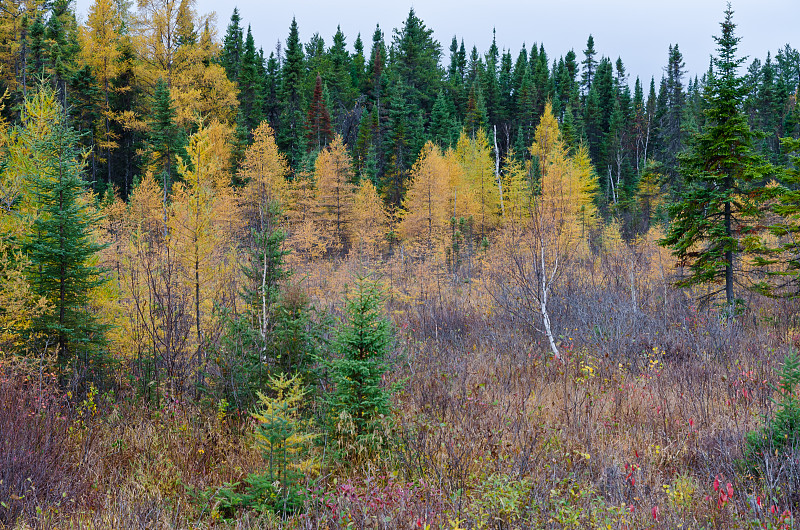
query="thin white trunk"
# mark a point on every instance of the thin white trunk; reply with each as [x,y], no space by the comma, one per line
[497,173]
[543,308]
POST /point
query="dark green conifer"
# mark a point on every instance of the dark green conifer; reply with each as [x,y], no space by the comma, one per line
[720,173]
[62,249]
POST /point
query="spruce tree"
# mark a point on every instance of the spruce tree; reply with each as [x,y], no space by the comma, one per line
[363,342]
[251,84]
[589,66]
[290,133]
[60,244]
[318,120]
[230,57]
[720,173]
[166,140]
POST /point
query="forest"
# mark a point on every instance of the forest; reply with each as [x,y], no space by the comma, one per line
[381,283]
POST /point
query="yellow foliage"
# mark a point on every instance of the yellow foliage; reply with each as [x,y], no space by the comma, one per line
[281,431]
[199,87]
[425,216]
[334,193]
[19,304]
[475,158]
[264,167]
[517,194]
[370,220]
[566,202]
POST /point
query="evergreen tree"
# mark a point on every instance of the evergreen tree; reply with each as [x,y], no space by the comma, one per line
[363,342]
[416,62]
[60,245]
[444,129]
[230,57]
[720,172]
[476,118]
[340,81]
[166,140]
[272,91]
[318,121]
[292,119]
[589,65]
[358,74]
[670,126]
[251,84]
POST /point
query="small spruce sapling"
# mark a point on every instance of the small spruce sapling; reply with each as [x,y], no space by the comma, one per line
[360,400]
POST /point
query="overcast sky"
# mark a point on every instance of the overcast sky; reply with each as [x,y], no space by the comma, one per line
[638,31]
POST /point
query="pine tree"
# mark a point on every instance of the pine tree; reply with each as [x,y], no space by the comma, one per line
[720,172]
[60,245]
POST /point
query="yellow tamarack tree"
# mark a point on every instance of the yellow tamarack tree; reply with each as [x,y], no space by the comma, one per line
[200,215]
[476,160]
[425,209]
[370,221]
[335,192]
[517,193]
[101,50]
[264,169]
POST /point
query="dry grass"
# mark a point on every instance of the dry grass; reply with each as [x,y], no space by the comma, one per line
[651,405]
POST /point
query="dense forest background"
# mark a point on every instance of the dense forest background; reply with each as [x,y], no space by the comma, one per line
[390,284]
[385,99]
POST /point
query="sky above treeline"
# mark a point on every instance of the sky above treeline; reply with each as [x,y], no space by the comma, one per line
[638,31]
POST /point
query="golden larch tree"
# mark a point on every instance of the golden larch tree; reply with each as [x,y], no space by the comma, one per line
[425,209]
[370,221]
[476,160]
[335,191]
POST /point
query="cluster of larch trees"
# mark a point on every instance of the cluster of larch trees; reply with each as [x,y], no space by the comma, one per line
[198,153]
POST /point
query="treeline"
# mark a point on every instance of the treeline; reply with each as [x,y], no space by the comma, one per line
[138,83]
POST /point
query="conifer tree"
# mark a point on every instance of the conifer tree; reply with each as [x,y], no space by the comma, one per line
[444,129]
[416,61]
[425,208]
[370,220]
[230,57]
[318,120]
[291,120]
[589,66]
[251,84]
[340,81]
[719,173]
[101,51]
[60,244]
[363,342]
[166,138]
[335,192]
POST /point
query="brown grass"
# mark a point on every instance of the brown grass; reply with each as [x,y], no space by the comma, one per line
[652,403]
